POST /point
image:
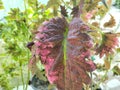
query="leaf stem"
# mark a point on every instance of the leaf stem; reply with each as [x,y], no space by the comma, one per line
[81,4]
[64,52]
[28,72]
[102,79]
[26,13]
[22,78]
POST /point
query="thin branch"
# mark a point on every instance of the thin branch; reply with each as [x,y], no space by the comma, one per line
[81,4]
[26,13]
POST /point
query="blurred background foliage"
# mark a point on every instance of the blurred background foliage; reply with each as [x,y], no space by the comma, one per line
[15,33]
[117,3]
[16,29]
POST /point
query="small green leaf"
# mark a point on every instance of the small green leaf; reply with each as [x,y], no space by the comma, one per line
[116,70]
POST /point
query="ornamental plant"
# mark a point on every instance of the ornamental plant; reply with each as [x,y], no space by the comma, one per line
[65,46]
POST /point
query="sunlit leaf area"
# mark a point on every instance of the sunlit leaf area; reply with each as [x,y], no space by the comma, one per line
[59,44]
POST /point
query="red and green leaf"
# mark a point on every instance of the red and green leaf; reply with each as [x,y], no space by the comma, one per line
[72,73]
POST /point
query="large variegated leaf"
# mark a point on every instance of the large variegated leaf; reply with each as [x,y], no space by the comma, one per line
[72,73]
[48,46]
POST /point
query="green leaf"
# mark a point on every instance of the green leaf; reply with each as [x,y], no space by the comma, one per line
[54,4]
[33,3]
[1,5]
[2,55]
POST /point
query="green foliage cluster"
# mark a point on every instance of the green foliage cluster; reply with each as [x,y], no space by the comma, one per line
[4,82]
[117,3]
[15,31]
